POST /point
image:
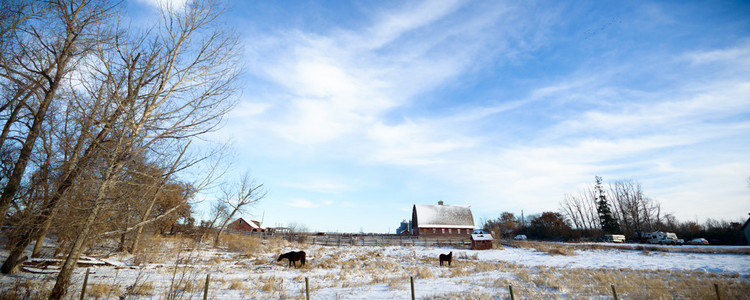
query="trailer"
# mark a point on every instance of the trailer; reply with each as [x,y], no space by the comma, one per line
[613,238]
[664,238]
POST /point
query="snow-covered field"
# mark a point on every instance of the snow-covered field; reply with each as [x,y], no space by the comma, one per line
[247,269]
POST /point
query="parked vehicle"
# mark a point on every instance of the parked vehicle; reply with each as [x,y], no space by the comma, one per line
[665,238]
[698,241]
[520,237]
[613,238]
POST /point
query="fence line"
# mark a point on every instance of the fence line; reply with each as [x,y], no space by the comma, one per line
[411,279]
[350,239]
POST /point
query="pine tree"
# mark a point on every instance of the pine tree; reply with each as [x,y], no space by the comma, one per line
[608,222]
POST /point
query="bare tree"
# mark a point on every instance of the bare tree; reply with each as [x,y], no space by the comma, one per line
[238,197]
[635,212]
[219,211]
[45,54]
[173,85]
[581,209]
[41,62]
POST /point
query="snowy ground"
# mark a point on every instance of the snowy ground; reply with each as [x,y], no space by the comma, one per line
[384,273]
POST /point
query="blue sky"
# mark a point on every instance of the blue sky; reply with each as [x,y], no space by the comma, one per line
[351,112]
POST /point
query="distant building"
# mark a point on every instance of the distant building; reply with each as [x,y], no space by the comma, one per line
[245,225]
[404,228]
[481,241]
[450,221]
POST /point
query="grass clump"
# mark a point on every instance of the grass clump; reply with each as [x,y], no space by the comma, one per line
[25,289]
[103,290]
[241,243]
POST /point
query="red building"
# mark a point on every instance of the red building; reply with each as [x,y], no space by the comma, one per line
[244,225]
[438,221]
[481,241]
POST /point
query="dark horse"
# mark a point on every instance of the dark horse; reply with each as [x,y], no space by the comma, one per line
[293,257]
[446,257]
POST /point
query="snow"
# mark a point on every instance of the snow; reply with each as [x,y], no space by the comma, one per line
[371,272]
[444,216]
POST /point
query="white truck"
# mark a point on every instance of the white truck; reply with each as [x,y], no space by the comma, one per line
[664,238]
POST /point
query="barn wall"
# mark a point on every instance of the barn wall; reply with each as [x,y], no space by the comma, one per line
[445,232]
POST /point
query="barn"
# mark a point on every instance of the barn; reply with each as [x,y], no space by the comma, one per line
[442,221]
[245,225]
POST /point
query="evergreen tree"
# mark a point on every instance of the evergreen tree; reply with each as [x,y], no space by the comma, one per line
[608,222]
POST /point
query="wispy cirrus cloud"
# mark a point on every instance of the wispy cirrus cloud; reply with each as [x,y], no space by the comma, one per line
[493,105]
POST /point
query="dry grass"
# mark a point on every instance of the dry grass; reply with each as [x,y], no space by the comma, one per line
[25,289]
[267,284]
[237,284]
[344,267]
[460,296]
[241,243]
[143,289]
[103,290]
[556,250]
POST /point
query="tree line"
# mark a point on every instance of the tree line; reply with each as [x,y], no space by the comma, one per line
[620,207]
[100,117]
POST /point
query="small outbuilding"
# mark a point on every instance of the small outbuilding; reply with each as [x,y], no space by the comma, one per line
[481,241]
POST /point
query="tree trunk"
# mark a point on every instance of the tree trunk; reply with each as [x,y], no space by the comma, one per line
[66,273]
[59,66]
[40,239]
[14,257]
[223,226]
[14,181]
[63,278]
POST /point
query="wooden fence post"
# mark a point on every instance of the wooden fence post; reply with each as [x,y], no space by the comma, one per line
[614,292]
[85,281]
[307,288]
[205,287]
[510,289]
[716,288]
[412,287]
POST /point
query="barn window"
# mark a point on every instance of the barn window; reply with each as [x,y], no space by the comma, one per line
[442,230]
[433,230]
[459,231]
[450,231]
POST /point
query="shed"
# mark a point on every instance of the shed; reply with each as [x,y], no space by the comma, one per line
[481,241]
[246,225]
[449,221]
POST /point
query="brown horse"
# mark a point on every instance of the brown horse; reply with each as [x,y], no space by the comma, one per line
[446,257]
[293,257]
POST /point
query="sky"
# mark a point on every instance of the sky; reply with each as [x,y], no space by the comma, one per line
[351,112]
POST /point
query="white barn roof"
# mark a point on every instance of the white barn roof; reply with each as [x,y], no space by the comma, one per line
[443,216]
[481,237]
[252,223]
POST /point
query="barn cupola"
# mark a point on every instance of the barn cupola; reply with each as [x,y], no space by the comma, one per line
[440,202]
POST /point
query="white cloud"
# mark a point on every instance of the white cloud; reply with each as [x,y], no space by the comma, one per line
[350,97]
